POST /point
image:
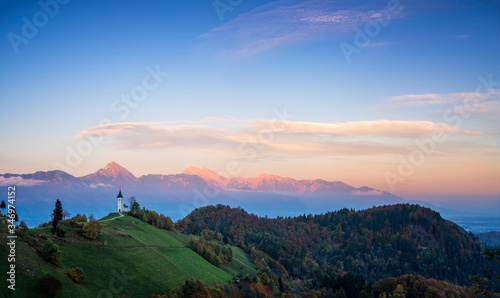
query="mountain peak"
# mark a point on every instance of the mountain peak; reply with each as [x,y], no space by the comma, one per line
[207,175]
[112,173]
[114,166]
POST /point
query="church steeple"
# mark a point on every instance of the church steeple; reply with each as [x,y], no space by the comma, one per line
[119,202]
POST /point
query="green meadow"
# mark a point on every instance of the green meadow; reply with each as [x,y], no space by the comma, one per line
[129,257]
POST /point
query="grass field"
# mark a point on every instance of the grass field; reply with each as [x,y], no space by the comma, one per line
[138,260]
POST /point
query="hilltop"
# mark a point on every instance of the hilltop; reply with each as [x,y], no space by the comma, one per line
[128,257]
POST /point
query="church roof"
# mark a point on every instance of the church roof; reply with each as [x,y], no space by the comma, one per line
[120,194]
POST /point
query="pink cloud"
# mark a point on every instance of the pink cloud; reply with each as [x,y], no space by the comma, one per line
[19,181]
[374,192]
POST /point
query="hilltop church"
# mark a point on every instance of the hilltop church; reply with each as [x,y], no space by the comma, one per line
[120,207]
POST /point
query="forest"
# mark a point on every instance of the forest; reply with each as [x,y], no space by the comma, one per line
[376,244]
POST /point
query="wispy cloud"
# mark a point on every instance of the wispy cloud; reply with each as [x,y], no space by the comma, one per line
[19,181]
[378,128]
[374,192]
[485,102]
[96,185]
[287,22]
[279,138]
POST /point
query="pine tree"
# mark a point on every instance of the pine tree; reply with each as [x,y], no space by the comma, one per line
[57,215]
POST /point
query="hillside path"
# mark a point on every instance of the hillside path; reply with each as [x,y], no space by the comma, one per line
[121,215]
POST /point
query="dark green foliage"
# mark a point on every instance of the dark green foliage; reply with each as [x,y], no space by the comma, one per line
[77,220]
[211,251]
[57,215]
[24,229]
[196,288]
[488,283]
[350,285]
[49,286]
[51,252]
[376,243]
[77,275]
[151,217]
[3,205]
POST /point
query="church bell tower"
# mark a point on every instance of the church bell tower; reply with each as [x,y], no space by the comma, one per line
[119,202]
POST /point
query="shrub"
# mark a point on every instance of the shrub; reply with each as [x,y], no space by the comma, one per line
[77,275]
[51,252]
[74,222]
[49,285]
[91,229]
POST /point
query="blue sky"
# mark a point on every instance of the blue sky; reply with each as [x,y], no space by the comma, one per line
[227,77]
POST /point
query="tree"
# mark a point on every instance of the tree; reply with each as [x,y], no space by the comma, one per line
[24,229]
[483,283]
[135,207]
[51,252]
[57,216]
[399,292]
[66,214]
[132,200]
[2,205]
[91,229]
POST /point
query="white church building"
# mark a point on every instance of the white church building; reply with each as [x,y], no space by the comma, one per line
[120,207]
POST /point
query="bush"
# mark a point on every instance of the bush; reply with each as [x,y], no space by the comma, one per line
[77,275]
[74,222]
[91,229]
[49,285]
[51,252]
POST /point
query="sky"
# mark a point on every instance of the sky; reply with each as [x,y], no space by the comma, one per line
[402,96]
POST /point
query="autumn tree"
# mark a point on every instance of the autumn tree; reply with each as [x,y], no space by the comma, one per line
[91,229]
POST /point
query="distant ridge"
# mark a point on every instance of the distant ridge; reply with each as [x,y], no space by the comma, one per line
[113,175]
[274,183]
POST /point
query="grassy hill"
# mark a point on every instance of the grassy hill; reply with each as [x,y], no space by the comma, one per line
[138,260]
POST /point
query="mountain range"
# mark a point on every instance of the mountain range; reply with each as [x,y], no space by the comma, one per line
[178,194]
[115,175]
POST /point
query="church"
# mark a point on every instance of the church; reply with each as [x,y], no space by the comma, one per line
[120,207]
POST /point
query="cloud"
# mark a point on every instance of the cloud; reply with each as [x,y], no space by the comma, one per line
[378,128]
[374,192]
[276,138]
[19,181]
[94,185]
[479,102]
[215,119]
[288,22]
